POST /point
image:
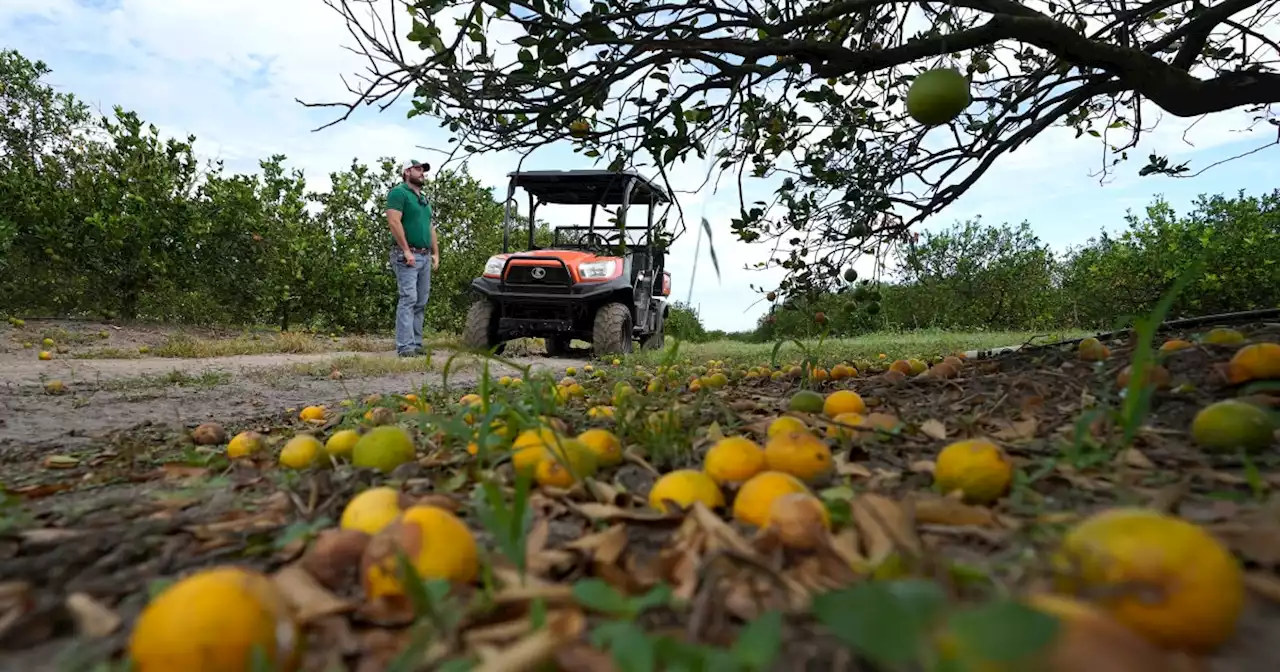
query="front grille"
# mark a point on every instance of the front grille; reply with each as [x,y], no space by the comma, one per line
[523,275]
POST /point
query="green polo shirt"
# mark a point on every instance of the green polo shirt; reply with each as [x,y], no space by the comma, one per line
[415,215]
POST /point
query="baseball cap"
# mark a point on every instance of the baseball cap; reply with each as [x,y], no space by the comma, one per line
[415,164]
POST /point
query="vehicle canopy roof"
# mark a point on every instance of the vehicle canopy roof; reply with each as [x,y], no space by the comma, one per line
[584,187]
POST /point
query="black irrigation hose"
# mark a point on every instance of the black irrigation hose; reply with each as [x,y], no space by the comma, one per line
[1220,318]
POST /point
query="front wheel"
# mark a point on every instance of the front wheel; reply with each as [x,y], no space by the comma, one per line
[611,331]
[481,330]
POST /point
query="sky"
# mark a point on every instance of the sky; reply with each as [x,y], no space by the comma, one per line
[229,72]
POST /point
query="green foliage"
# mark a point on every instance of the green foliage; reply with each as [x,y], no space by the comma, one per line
[972,276]
[807,97]
[684,323]
[105,217]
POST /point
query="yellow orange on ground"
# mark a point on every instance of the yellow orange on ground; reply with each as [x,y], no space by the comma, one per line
[341,443]
[371,510]
[799,520]
[301,451]
[1258,361]
[843,401]
[1166,578]
[800,454]
[436,543]
[978,468]
[383,448]
[1174,345]
[1232,425]
[684,487]
[733,459]
[602,412]
[842,426]
[756,497]
[245,444]
[784,424]
[1092,350]
[565,463]
[312,413]
[216,620]
[1087,639]
[45,355]
[1223,336]
[604,444]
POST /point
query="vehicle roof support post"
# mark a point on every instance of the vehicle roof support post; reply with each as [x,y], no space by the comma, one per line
[624,211]
[533,211]
[507,215]
[648,226]
[591,223]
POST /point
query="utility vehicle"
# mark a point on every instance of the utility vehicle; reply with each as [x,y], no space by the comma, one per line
[602,284]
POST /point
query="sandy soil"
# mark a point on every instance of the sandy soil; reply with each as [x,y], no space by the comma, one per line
[104,395]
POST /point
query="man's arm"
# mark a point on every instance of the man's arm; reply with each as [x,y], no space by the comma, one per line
[435,247]
[395,207]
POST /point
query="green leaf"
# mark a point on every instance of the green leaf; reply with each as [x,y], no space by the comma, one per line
[527,41]
[883,620]
[1001,631]
[632,650]
[759,642]
[597,595]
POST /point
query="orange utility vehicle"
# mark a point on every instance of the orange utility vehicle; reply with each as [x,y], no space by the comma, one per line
[601,284]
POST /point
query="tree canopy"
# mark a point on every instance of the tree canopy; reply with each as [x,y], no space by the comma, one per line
[811,91]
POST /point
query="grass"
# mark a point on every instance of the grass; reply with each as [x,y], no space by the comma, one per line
[893,344]
[358,366]
[173,378]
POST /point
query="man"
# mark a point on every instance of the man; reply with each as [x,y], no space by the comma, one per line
[414,237]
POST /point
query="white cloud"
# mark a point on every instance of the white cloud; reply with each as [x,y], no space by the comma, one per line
[229,72]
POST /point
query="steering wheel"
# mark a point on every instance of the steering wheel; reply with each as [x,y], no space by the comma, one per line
[598,242]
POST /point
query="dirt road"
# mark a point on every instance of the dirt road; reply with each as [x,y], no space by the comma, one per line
[112,394]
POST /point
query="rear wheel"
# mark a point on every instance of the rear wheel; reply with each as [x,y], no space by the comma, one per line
[657,340]
[481,330]
[611,331]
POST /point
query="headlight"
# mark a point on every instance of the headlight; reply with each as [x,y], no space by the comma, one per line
[595,270]
[494,265]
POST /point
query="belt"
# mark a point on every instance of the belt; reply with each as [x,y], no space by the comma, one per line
[419,250]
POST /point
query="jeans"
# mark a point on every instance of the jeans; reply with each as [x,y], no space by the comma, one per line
[414,283]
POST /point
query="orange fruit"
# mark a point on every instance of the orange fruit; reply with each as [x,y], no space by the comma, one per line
[563,464]
[312,413]
[784,424]
[1087,640]
[755,499]
[733,460]
[540,436]
[437,544]
[1259,361]
[1223,336]
[977,468]
[850,420]
[917,367]
[1092,350]
[218,619]
[301,451]
[371,510]
[799,520]
[1231,425]
[245,444]
[342,442]
[1174,345]
[606,446]
[684,487]
[1157,377]
[1164,577]
[800,454]
[843,401]
[901,366]
[383,448]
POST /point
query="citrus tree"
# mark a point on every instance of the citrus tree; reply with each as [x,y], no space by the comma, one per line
[854,108]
